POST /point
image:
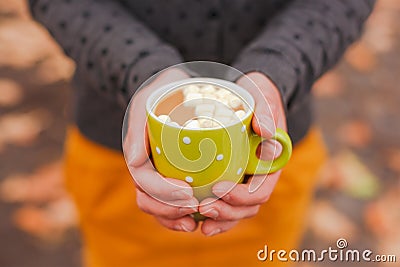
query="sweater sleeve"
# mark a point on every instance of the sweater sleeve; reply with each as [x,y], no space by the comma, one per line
[303,41]
[113,51]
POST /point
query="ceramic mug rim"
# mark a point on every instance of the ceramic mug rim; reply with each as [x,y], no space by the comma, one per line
[162,91]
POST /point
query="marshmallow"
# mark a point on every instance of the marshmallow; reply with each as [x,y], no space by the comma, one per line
[192,99]
[222,111]
[209,96]
[234,102]
[164,118]
[222,93]
[213,106]
[192,124]
[206,110]
[240,114]
[224,102]
[191,89]
[208,89]
[208,123]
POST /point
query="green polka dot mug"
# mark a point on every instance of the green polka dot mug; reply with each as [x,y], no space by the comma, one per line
[205,156]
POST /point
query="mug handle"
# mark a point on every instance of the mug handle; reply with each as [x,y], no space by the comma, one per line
[259,166]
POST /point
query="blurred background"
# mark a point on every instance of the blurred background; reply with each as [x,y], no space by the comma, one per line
[357,108]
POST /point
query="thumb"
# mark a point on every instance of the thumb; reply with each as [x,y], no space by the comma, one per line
[136,145]
[262,123]
[136,148]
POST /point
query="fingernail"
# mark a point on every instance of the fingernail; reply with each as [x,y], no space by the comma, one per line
[221,190]
[220,193]
[187,210]
[267,127]
[132,154]
[211,213]
[181,194]
[185,228]
[216,231]
[178,227]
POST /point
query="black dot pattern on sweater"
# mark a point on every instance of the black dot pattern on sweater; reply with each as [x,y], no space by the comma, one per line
[189,29]
[44,8]
[118,44]
[86,14]
[107,28]
[62,24]
[213,13]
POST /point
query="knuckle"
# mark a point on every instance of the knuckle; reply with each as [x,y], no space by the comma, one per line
[173,224]
[236,199]
[171,213]
[251,212]
[142,206]
[233,217]
[179,212]
[227,216]
[167,224]
[254,211]
[262,199]
[230,215]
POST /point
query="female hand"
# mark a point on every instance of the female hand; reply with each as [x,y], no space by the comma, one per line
[169,200]
[240,201]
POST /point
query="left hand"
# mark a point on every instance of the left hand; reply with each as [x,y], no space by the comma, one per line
[169,200]
[244,200]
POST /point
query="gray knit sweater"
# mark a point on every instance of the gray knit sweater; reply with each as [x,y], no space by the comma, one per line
[119,44]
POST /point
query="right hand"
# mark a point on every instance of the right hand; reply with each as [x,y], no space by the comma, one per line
[240,201]
[169,200]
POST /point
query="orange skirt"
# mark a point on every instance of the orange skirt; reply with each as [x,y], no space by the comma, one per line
[117,234]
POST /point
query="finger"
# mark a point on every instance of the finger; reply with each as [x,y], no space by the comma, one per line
[255,192]
[159,187]
[269,105]
[221,211]
[269,149]
[263,122]
[184,224]
[154,207]
[136,146]
[211,227]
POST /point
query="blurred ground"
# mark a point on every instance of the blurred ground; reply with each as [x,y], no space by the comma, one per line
[357,108]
